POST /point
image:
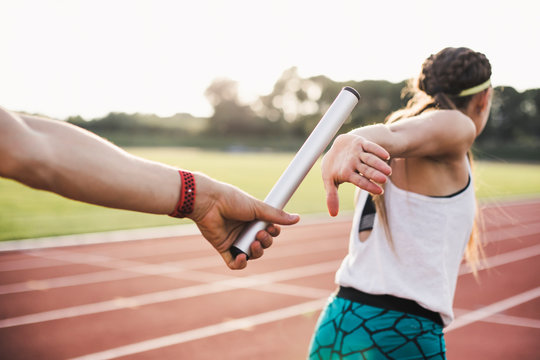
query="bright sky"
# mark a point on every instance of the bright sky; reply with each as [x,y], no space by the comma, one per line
[69,57]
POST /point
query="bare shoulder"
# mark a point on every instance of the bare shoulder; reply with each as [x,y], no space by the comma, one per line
[456,121]
[434,134]
[454,131]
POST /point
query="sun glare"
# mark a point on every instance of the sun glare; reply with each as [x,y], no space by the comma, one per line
[90,58]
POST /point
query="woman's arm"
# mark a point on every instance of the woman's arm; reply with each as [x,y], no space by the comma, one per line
[360,156]
[72,162]
[432,134]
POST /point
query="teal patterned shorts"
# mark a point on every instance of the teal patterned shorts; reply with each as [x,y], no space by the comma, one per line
[351,330]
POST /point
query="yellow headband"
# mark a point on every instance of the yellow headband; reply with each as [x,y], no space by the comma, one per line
[476,89]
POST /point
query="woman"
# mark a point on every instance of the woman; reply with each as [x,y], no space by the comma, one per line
[397,283]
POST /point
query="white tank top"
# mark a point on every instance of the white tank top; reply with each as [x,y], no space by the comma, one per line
[429,234]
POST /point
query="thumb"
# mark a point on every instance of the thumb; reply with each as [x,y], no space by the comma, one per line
[272,215]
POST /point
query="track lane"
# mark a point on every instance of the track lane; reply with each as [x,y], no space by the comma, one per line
[511,248]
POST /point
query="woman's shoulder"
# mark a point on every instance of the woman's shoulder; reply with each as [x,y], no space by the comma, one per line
[453,126]
[447,114]
[434,134]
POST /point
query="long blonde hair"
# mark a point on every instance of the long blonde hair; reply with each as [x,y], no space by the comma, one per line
[443,76]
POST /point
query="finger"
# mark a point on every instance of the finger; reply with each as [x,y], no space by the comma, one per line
[237,263]
[376,163]
[364,184]
[370,173]
[273,230]
[256,250]
[264,238]
[332,198]
[376,149]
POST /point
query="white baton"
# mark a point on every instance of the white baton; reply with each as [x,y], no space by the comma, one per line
[302,162]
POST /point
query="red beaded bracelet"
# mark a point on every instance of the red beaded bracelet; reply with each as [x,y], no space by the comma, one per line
[186,201]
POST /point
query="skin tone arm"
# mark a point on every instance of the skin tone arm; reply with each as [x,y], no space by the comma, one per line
[62,158]
[360,156]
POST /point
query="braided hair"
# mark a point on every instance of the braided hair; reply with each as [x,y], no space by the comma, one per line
[442,77]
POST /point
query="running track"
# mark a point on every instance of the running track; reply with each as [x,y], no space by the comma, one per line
[172,298]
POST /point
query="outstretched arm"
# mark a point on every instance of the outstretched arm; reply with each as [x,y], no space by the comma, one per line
[360,157]
[65,159]
[434,134]
[72,162]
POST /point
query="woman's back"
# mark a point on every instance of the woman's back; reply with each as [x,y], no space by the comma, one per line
[421,260]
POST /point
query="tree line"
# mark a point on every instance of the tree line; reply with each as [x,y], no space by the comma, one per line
[286,116]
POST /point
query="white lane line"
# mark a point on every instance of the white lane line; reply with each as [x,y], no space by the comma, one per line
[158,232]
[52,258]
[504,258]
[520,200]
[294,290]
[493,309]
[29,264]
[65,281]
[513,320]
[128,269]
[255,281]
[63,257]
[494,235]
[511,233]
[285,274]
[171,295]
[506,319]
[207,331]
[100,237]
[281,314]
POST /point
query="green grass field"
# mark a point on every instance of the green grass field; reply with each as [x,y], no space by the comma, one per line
[28,213]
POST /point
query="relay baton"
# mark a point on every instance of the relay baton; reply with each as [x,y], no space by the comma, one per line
[300,165]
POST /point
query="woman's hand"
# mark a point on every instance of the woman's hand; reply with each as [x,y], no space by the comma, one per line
[221,212]
[356,160]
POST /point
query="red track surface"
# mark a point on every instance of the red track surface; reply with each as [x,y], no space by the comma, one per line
[172,298]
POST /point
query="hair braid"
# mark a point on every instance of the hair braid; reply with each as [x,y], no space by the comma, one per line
[442,77]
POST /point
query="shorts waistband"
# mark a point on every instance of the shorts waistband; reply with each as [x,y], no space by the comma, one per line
[389,302]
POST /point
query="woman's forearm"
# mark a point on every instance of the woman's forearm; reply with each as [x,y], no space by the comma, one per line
[381,135]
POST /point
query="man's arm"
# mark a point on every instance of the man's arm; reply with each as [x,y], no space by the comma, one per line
[65,159]
[72,162]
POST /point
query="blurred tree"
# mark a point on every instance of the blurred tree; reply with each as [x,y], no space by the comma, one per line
[504,117]
[230,116]
[378,100]
[295,106]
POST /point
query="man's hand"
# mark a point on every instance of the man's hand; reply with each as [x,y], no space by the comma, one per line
[221,212]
